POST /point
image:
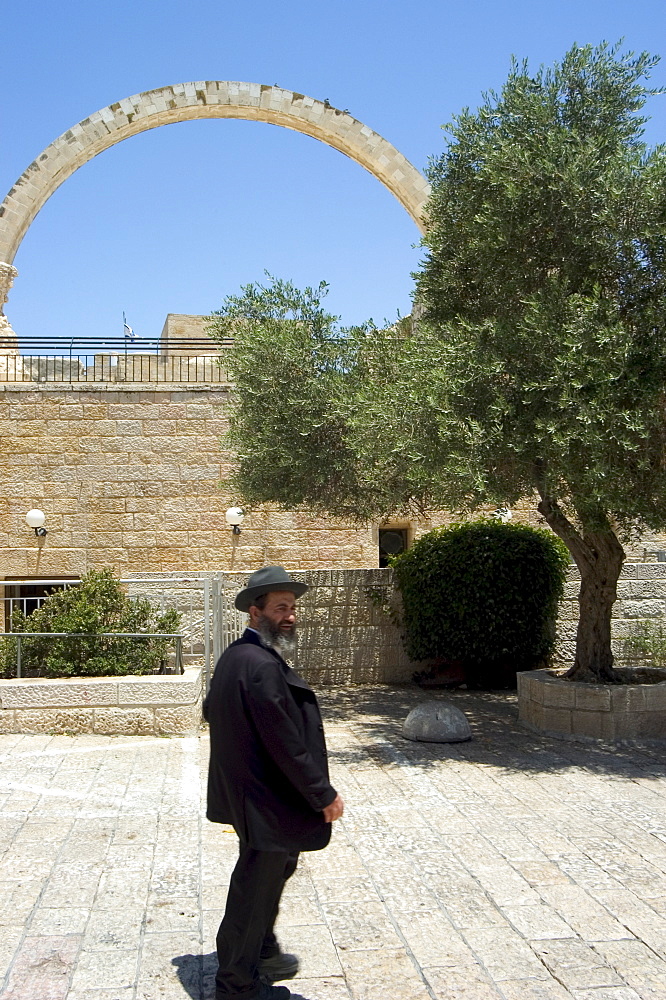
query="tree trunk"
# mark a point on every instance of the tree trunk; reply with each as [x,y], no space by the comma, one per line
[599,558]
[598,593]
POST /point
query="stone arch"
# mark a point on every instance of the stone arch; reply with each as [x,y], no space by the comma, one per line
[205,99]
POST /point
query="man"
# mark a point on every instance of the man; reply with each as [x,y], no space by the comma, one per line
[268,778]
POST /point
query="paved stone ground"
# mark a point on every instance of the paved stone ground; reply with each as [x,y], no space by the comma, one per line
[512,867]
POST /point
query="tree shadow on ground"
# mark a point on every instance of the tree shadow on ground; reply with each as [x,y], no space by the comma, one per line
[498,739]
[196,974]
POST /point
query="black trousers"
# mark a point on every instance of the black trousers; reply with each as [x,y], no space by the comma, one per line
[246,933]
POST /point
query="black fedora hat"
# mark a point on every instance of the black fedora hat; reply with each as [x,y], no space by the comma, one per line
[263,581]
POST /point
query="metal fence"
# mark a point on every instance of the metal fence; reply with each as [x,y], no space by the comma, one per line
[32,359]
[99,638]
[210,621]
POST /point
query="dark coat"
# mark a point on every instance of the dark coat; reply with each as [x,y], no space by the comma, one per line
[268,771]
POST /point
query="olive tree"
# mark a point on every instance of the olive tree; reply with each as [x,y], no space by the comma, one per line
[538,362]
[544,277]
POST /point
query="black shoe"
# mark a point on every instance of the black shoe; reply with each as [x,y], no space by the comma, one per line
[278,967]
[266,992]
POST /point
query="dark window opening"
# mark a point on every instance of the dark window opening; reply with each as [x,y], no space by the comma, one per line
[27,597]
[392,541]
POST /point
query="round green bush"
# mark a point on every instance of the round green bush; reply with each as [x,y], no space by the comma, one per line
[482,595]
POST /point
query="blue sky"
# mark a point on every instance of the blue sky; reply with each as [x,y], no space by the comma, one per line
[175,218]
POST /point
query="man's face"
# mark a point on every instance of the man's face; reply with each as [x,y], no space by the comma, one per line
[276,623]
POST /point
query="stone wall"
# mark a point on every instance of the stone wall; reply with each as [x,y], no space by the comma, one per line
[130,478]
[345,634]
[165,705]
[547,704]
[641,598]
[183,326]
[347,637]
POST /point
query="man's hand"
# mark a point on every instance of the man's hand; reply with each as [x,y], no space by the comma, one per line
[335,810]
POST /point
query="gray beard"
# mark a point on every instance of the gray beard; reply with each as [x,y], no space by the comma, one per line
[270,633]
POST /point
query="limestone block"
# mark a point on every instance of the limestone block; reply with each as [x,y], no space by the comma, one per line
[181,720]
[145,488]
[556,720]
[527,710]
[146,521]
[120,412]
[532,714]
[656,697]
[436,722]
[124,721]
[650,571]
[129,428]
[161,689]
[619,699]
[596,725]
[566,631]
[642,609]
[50,720]
[559,694]
[637,698]
[567,611]
[200,411]
[651,726]
[37,692]
[622,628]
[8,723]
[566,652]
[653,588]
[535,689]
[629,571]
[593,697]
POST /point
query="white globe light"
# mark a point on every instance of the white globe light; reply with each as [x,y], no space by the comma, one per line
[35,518]
[234,516]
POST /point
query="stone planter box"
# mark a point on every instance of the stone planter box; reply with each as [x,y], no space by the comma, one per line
[152,705]
[555,707]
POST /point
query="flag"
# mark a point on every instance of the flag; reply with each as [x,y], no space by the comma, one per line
[127,330]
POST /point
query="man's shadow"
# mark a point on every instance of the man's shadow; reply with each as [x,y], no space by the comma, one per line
[197,976]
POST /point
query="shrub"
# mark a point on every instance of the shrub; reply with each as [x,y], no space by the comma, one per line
[483,596]
[97,605]
[647,645]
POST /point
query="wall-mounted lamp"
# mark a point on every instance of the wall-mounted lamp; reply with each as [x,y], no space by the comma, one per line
[234,518]
[35,519]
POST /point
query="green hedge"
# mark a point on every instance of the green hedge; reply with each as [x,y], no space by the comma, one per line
[482,595]
[97,605]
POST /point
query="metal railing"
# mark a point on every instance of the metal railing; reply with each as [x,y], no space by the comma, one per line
[193,596]
[18,637]
[52,359]
[210,620]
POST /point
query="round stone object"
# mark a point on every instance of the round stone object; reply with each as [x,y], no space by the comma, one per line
[436,722]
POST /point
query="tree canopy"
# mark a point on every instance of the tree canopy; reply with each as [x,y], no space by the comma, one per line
[545,274]
[538,362]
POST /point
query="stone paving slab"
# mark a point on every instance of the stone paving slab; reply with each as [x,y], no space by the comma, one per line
[513,867]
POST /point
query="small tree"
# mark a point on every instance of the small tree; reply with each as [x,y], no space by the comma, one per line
[482,594]
[95,606]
